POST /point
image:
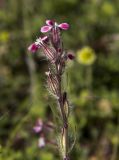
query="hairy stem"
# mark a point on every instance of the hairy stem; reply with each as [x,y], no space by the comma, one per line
[64,118]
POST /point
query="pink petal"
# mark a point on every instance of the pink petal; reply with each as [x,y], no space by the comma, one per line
[50,22]
[64,26]
[45,39]
[33,48]
[39,126]
[45,29]
[37,129]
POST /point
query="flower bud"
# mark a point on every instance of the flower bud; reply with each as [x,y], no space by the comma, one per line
[65,104]
[52,83]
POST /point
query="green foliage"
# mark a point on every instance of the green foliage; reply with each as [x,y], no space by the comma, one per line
[93,89]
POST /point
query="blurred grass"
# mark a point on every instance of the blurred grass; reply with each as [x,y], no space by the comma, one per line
[93,89]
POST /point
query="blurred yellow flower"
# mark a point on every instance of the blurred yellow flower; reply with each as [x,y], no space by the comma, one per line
[115,139]
[108,8]
[86,56]
[4,36]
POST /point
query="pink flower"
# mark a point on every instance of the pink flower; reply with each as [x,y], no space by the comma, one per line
[51,24]
[39,42]
[33,47]
[39,126]
[49,52]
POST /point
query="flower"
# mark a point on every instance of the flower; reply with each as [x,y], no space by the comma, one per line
[55,28]
[38,44]
[115,139]
[41,142]
[108,9]
[4,36]
[39,126]
[49,52]
[86,56]
[51,24]
[33,48]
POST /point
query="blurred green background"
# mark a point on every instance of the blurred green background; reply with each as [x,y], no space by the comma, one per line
[92,78]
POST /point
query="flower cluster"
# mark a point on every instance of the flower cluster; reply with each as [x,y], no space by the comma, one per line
[41,128]
[53,51]
[52,47]
[52,24]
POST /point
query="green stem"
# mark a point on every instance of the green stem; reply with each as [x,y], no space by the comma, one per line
[64,118]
